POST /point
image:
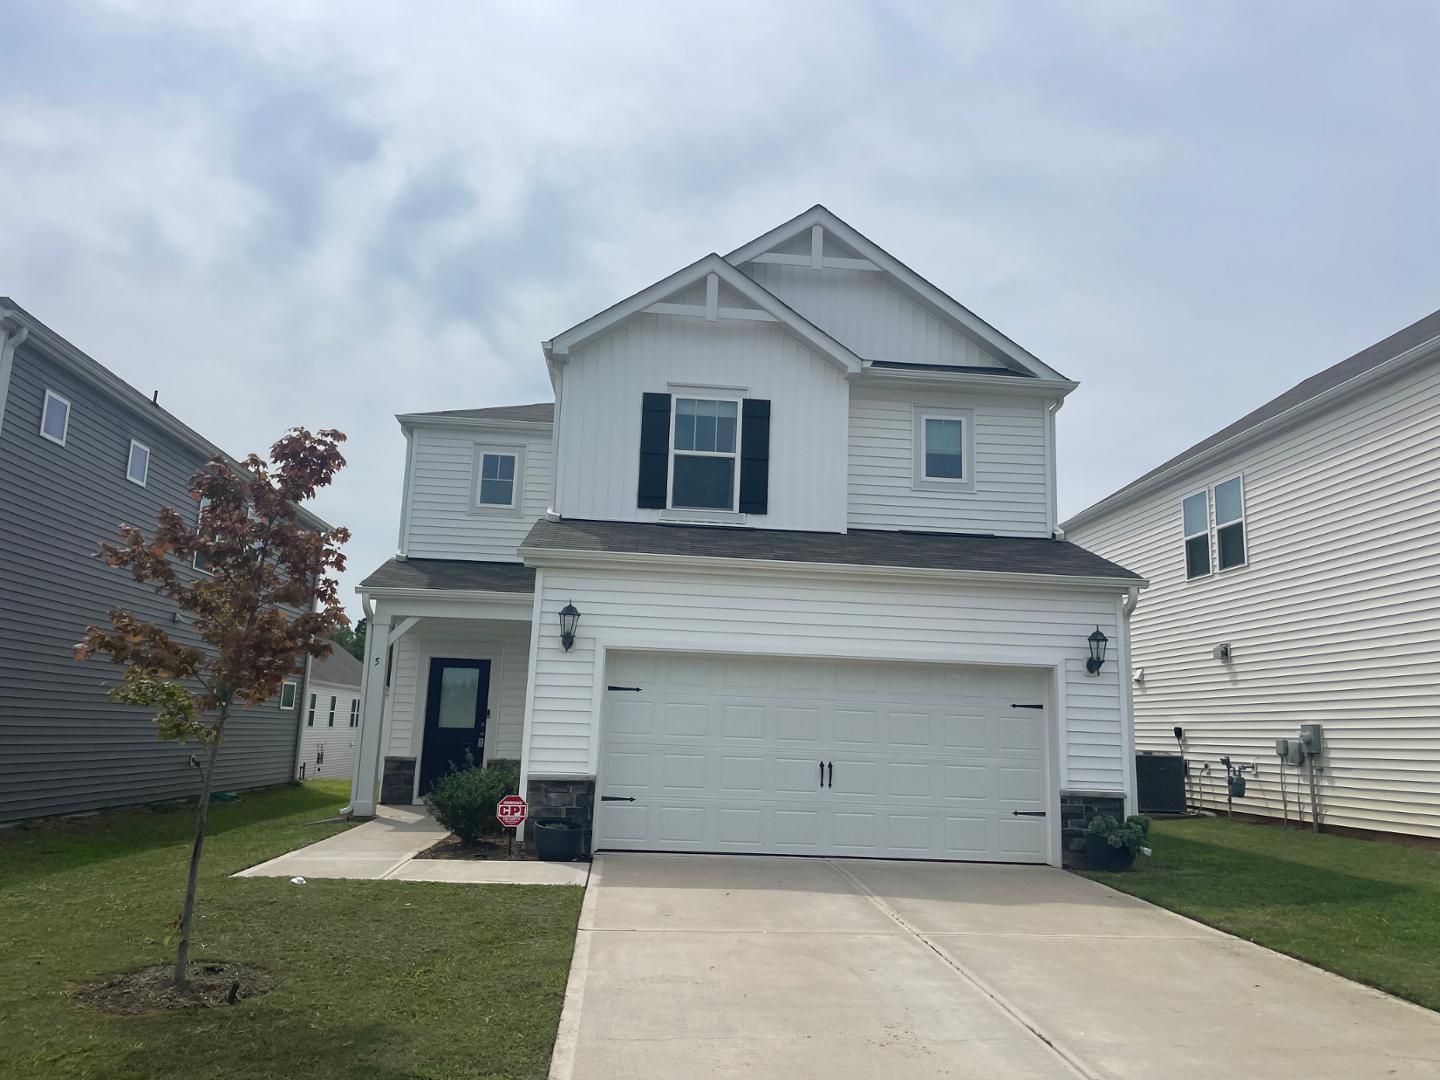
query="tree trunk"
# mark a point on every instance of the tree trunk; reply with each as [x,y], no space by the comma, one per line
[202,812]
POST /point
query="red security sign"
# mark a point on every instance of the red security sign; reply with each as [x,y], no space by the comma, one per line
[511,811]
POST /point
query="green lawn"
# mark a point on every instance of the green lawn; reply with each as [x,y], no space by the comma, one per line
[378,979]
[1365,909]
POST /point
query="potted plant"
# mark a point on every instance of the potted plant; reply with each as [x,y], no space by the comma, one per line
[558,840]
[1111,844]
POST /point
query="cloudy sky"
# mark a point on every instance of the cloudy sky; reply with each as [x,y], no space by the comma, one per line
[326,213]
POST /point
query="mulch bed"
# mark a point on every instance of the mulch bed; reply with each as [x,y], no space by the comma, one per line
[213,984]
[485,848]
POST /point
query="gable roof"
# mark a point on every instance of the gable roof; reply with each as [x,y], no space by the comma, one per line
[340,668]
[541,412]
[857,548]
[752,291]
[911,283]
[1339,378]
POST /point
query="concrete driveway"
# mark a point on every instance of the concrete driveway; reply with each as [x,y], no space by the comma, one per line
[697,966]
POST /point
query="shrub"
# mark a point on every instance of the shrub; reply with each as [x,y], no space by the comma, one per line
[1130,835]
[463,800]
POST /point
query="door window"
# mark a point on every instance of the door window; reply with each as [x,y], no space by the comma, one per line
[459,697]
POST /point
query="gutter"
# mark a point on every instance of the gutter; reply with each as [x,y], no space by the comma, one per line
[414,420]
[1126,495]
[580,559]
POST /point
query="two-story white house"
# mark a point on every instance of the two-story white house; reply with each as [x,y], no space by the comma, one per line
[776,573]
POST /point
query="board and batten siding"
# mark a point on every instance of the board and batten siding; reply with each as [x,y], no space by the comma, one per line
[868,315]
[443,521]
[506,643]
[339,743]
[64,747]
[1335,619]
[599,446]
[749,612]
[1011,496]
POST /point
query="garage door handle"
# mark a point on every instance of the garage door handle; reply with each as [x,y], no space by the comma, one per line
[1027,706]
[832,775]
[1027,813]
[822,774]
[617,798]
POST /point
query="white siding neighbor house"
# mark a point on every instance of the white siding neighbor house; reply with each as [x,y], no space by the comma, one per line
[1294,569]
[776,572]
[329,717]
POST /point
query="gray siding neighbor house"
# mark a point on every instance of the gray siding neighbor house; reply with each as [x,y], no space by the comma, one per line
[82,452]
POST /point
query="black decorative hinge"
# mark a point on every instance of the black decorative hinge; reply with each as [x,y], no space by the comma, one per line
[632,689]
[617,798]
[1021,706]
[1027,813]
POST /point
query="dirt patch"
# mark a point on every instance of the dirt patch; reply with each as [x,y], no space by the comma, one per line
[485,848]
[213,984]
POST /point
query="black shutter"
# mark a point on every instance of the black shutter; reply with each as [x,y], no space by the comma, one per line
[755,456]
[654,452]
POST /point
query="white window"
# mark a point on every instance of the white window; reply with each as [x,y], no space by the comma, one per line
[332,711]
[944,449]
[288,690]
[1195,511]
[1230,523]
[355,712]
[137,467]
[55,418]
[310,713]
[705,450]
[201,561]
[497,480]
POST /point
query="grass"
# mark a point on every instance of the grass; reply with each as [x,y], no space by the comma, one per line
[1364,909]
[380,979]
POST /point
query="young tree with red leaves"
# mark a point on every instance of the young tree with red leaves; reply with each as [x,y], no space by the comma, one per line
[263,602]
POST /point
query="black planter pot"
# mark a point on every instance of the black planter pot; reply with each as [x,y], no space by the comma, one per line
[558,841]
[1101,855]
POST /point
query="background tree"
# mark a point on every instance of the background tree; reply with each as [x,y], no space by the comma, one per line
[352,638]
[264,601]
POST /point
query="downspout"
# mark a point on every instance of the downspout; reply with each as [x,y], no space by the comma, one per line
[557,381]
[1127,696]
[1052,483]
[10,340]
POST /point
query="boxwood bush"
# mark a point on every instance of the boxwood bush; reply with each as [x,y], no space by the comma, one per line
[463,800]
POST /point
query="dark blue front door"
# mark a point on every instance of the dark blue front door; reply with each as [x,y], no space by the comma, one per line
[455,715]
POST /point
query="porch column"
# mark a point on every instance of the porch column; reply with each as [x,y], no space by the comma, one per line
[372,713]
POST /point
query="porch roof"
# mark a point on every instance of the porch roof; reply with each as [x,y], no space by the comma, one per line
[452,575]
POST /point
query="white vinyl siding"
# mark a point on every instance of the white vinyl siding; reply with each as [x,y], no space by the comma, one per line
[862,311]
[1007,492]
[329,750]
[768,615]
[1335,619]
[506,643]
[602,393]
[445,520]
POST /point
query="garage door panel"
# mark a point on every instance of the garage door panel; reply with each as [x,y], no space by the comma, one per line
[724,753]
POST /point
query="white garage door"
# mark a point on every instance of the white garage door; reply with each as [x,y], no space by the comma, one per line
[822,757]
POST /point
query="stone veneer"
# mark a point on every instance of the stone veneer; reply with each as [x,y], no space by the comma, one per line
[567,798]
[1076,812]
[397,781]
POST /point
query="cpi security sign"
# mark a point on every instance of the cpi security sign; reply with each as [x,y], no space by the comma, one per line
[511,811]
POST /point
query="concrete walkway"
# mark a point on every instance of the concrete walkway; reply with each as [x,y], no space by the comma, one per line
[386,848]
[723,966]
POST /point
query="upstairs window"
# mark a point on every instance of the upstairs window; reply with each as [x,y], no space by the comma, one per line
[137,466]
[705,442]
[1196,512]
[287,695]
[944,448]
[497,479]
[332,711]
[201,561]
[55,418]
[355,712]
[1230,523]
[310,713]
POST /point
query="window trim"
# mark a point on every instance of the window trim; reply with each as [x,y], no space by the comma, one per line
[310,712]
[1241,521]
[195,559]
[355,712]
[294,688]
[50,395]
[517,488]
[736,398]
[919,480]
[333,699]
[130,461]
